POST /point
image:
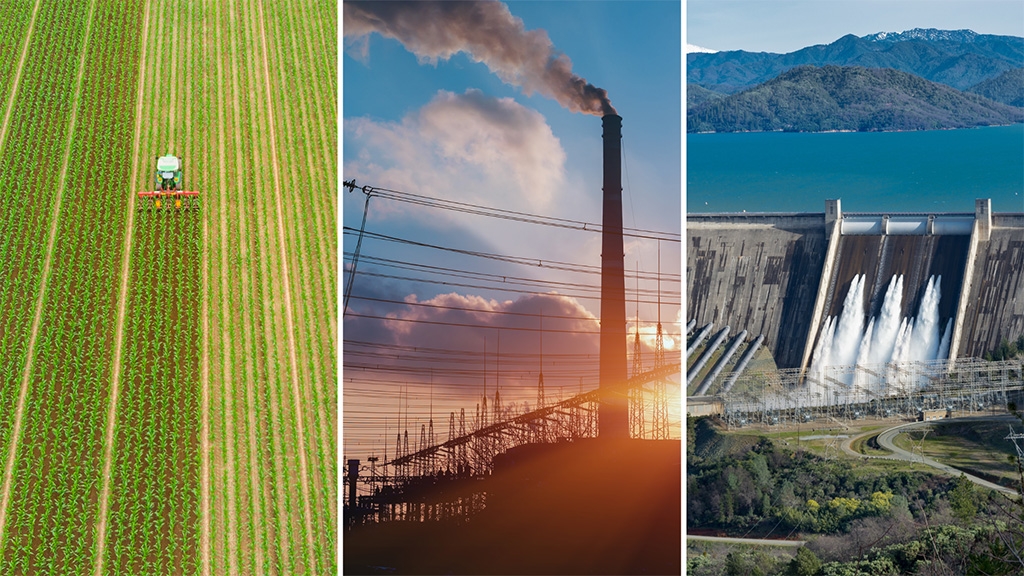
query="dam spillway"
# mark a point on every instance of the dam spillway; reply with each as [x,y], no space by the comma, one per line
[916,258]
[891,297]
[782,276]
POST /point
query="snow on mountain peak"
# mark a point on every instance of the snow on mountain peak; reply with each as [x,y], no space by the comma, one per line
[929,34]
[690,49]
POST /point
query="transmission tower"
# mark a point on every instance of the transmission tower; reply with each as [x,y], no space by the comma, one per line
[1014,437]
[636,394]
[453,464]
[431,439]
[541,429]
[398,452]
[420,464]
[660,422]
[463,458]
[405,450]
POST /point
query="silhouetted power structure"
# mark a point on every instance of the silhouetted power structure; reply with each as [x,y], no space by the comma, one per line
[557,480]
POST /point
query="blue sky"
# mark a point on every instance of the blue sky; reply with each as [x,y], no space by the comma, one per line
[452,129]
[783,26]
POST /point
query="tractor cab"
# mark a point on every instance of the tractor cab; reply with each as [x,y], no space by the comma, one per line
[168,173]
[167,184]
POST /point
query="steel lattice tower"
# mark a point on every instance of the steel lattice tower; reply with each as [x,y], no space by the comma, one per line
[453,463]
[1013,437]
[541,430]
[463,458]
[636,395]
[660,421]
[405,450]
[422,446]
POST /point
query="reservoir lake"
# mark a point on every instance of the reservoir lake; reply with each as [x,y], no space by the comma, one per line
[926,171]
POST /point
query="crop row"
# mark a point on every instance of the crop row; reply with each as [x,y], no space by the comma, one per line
[307,141]
[14,27]
[29,164]
[273,456]
[51,522]
[267,513]
[154,514]
[205,288]
[154,500]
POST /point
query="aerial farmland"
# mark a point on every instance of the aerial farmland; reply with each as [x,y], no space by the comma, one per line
[168,388]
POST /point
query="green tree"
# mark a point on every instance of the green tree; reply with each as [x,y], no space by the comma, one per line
[962,499]
[739,564]
[805,563]
[691,437]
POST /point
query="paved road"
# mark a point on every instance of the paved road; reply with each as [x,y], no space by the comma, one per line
[885,440]
[750,541]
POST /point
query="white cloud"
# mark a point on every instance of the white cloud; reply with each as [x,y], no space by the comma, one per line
[465,322]
[467,147]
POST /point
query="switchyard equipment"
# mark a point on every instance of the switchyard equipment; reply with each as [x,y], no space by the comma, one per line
[168,182]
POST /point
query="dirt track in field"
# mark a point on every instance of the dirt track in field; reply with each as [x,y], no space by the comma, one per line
[16,82]
[122,303]
[255,493]
[320,270]
[20,409]
[205,434]
[286,290]
[47,263]
[225,469]
[205,444]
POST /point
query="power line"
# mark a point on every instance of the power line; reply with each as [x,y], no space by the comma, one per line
[531,363]
[532,262]
[455,372]
[402,264]
[513,215]
[480,310]
[577,296]
[461,324]
[485,276]
[474,353]
[500,278]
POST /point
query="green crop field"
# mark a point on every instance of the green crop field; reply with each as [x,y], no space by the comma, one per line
[167,376]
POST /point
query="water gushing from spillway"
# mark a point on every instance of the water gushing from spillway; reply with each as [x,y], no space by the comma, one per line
[886,346]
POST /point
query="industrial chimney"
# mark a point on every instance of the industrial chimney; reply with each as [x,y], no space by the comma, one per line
[613,414]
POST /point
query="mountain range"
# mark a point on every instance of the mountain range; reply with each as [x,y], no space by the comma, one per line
[957,58]
[824,98]
[932,79]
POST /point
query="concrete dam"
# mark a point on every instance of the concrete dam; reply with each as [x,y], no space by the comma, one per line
[857,288]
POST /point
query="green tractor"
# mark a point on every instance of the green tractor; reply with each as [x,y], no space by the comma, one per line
[168,173]
[168,183]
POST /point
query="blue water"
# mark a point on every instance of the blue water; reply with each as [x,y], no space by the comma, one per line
[940,170]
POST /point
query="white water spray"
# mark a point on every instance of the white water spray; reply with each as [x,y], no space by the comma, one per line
[884,339]
[888,339]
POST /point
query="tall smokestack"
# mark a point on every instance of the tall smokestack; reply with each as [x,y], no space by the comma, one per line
[613,414]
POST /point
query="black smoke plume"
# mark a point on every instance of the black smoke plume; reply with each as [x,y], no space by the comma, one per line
[490,34]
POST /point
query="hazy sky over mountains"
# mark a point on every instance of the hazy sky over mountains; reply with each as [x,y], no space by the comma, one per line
[787,25]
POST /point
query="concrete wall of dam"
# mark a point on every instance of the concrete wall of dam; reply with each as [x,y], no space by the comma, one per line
[758,272]
[995,305]
[763,273]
